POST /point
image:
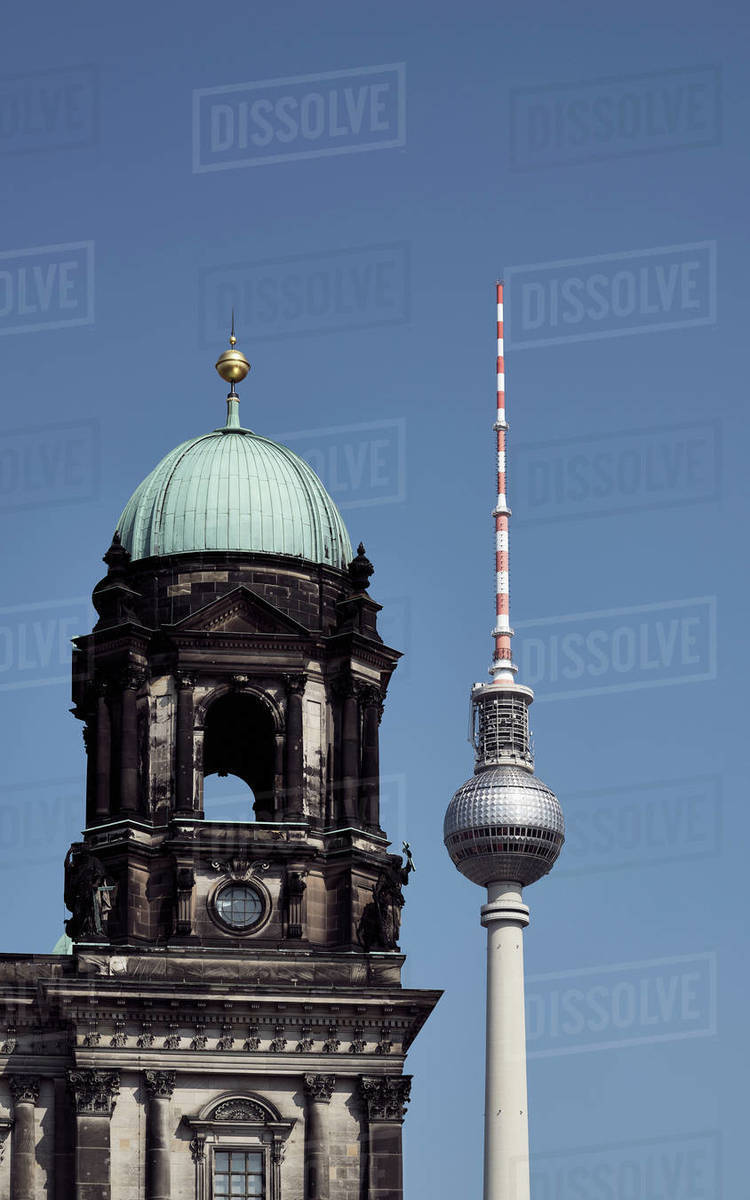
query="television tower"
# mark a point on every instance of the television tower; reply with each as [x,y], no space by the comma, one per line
[504,829]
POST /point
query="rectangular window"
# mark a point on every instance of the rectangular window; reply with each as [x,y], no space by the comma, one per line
[239,1175]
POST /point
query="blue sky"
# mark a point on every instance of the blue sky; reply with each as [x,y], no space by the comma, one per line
[608,142]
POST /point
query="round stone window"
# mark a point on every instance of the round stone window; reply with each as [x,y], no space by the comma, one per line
[239,906]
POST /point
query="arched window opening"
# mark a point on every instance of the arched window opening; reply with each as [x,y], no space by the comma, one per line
[240,741]
[227,798]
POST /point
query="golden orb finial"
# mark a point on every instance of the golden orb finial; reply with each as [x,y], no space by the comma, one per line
[232,364]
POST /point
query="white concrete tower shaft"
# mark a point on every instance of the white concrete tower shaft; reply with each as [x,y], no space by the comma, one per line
[506,1118]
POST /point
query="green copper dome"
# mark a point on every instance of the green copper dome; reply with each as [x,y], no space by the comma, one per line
[234,490]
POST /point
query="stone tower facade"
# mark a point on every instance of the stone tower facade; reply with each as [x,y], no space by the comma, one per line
[229,1019]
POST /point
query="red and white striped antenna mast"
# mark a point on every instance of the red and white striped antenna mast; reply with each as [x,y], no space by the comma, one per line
[502,669]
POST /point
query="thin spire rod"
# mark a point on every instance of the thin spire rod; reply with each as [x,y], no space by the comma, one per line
[502,668]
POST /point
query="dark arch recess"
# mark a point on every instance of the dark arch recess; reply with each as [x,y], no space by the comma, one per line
[239,739]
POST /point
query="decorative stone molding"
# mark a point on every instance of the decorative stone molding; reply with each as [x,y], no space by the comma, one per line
[159,1084]
[24,1089]
[385,1097]
[227,1119]
[295,890]
[319,1087]
[185,883]
[94,1091]
[239,1110]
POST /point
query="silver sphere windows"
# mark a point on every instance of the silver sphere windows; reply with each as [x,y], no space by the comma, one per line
[239,906]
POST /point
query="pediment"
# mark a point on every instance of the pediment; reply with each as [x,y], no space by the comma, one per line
[240,611]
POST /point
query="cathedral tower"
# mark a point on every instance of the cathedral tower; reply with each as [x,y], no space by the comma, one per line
[229,1020]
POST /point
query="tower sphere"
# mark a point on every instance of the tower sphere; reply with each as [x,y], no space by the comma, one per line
[504,824]
[232,366]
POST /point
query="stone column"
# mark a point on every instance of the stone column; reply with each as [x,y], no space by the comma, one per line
[131,681]
[62,1171]
[372,708]
[25,1092]
[94,1095]
[349,751]
[184,747]
[159,1086]
[103,753]
[318,1092]
[293,807]
[384,1099]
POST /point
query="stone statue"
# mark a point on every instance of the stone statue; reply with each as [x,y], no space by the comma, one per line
[88,894]
[380,924]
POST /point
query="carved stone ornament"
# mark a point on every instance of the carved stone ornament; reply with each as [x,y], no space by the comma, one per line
[24,1089]
[11,1041]
[239,869]
[173,1039]
[239,1110]
[332,1043]
[278,1045]
[305,1043]
[319,1087]
[385,1097]
[385,1044]
[159,1084]
[252,1041]
[226,1041]
[358,1040]
[199,1040]
[133,677]
[145,1039]
[295,684]
[198,1148]
[94,1091]
[119,1037]
[372,696]
[360,570]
